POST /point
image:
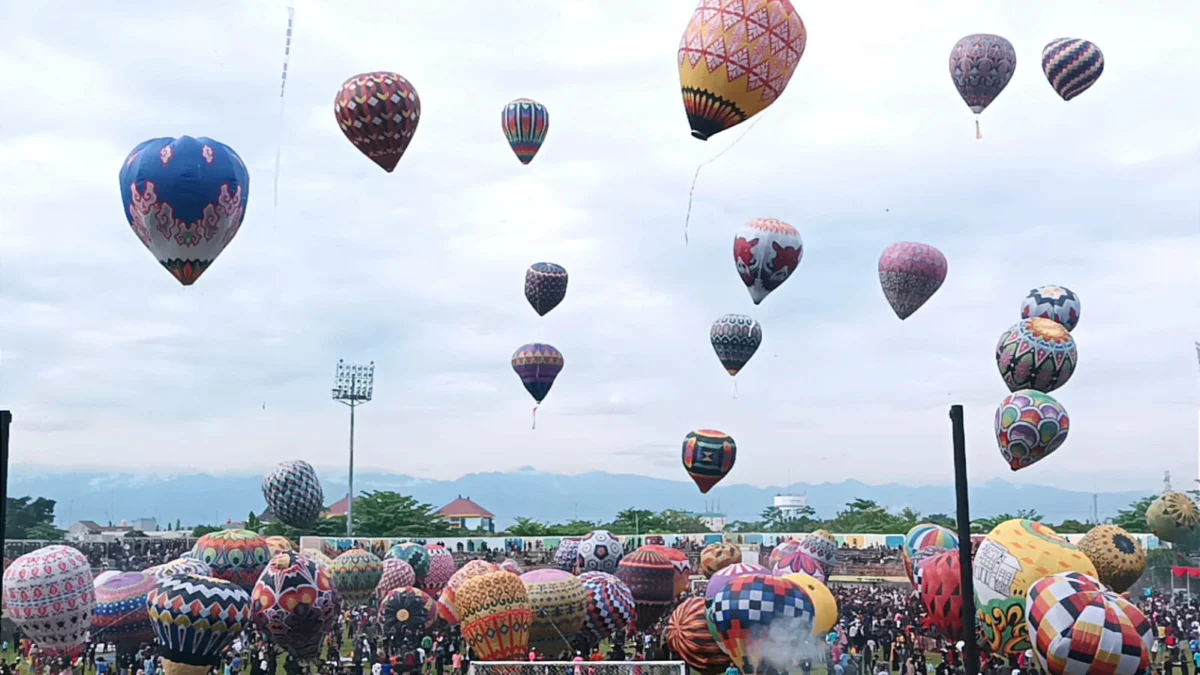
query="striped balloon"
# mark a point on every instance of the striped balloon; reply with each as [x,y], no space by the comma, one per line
[1072,66]
[525,123]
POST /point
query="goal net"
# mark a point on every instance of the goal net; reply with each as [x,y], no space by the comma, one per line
[572,668]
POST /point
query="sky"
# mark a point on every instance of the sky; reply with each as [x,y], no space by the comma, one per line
[108,363]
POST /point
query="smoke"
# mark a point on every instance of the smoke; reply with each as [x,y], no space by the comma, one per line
[784,643]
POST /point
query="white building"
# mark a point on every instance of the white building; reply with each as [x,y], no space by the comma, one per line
[713,521]
[791,507]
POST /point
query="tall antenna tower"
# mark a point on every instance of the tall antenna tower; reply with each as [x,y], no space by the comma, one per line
[1166,481]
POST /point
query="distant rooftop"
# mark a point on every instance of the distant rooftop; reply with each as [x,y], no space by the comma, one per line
[463,507]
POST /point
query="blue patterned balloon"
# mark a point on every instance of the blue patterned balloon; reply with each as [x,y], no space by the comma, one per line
[185,199]
[735,338]
[294,493]
[525,124]
[1071,66]
[195,618]
[545,286]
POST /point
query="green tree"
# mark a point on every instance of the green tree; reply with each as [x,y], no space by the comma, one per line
[201,530]
[1133,518]
[334,526]
[910,517]
[29,518]
[391,514]
[252,522]
[1071,526]
[774,519]
[864,516]
[943,520]
[574,528]
[528,527]
[178,524]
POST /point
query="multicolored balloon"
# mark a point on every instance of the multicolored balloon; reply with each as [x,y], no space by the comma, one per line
[766,252]
[1173,517]
[599,551]
[1076,625]
[472,569]
[559,602]
[721,578]
[185,198]
[525,123]
[708,456]
[717,556]
[404,609]
[735,338]
[296,603]
[294,493]
[566,556]
[1036,354]
[379,113]
[278,544]
[1072,66]
[120,615]
[416,555]
[441,568]
[688,636]
[511,566]
[910,274]
[782,550]
[940,589]
[537,365]
[237,556]
[355,574]
[800,563]
[825,608]
[1057,303]
[651,579]
[679,560]
[1117,555]
[496,616]
[981,66]
[545,286]
[822,547]
[611,609]
[735,58]
[396,574]
[758,610]
[1029,426]
[49,594]
[195,618]
[184,565]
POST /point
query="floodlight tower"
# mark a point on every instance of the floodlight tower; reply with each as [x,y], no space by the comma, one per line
[353,386]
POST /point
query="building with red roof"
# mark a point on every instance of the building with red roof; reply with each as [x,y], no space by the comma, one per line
[466,514]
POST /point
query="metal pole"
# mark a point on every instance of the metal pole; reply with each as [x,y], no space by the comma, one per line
[971,647]
[350,498]
[5,421]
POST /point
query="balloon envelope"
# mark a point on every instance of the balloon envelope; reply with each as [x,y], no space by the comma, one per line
[559,602]
[981,66]
[355,575]
[49,594]
[496,616]
[416,555]
[1117,555]
[1076,625]
[537,365]
[717,556]
[735,338]
[651,579]
[766,252]
[545,286]
[1072,66]
[708,456]
[404,609]
[378,112]
[1057,303]
[721,578]
[441,568]
[611,609]
[910,274]
[940,590]
[688,636]
[294,493]
[195,618]
[758,610]
[237,556]
[120,615]
[1030,426]
[295,601]
[599,551]
[396,574]
[1036,354]
[525,123]
[1173,517]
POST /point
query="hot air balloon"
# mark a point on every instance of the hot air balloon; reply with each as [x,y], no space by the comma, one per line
[825,609]
[735,58]
[799,563]
[559,602]
[679,560]
[180,566]
[756,611]
[525,123]
[766,252]
[472,569]
[1057,303]
[1117,555]
[416,555]
[782,550]
[97,580]
[49,594]
[396,574]
[1036,354]
[721,578]
[688,636]
[296,603]
[611,609]
[355,574]
[940,589]
[566,556]
[195,618]
[277,545]
[1072,66]
[237,556]
[322,560]
[1076,625]
[822,547]
[495,614]
[185,199]
[735,338]
[120,615]
[717,556]
[910,274]
[379,113]
[537,365]
[441,568]
[1173,517]
[545,286]
[599,551]
[510,565]
[981,66]
[708,456]
[651,579]
[925,536]
[404,609]
[1029,426]
[294,493]
[445,615]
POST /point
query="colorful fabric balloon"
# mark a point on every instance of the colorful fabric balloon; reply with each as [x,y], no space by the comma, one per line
[445,615]
[120,615]
[940,589]
[566,556]
[559,602]
[910,274]
[1057,303]
[923,536]
[324,561]
[1072,66]
[679,560]
[1117,555]
[180,566]
[195,618]
[735,58]
[470,570]
[1036,354]
[717,556]
[545,286]
[277,545]
[1173,517]
[611,609]
[766,252]
[825,609]
[599,551]
[525,123]
[510,565]
[651,579]
[355,575]
[537,365]
[688,636]
[721,578]
[185,199]
[379,113]
[708,456]
[396,574]
[296,603]
[800,563]
[496,616]
[441,568]
[1076,625]
[294,493]
[755,612]
[981,66]
[782,550]
[237,556]
[822,547]
[416,555]
[735,338]
[404,609]
[1029,426]
[49,594]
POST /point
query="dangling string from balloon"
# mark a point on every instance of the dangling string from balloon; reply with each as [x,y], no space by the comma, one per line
[695,176]
[535,407]
[287,55]
[735,392]
[978,133]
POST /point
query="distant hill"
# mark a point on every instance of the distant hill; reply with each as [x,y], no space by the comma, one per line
[206,499]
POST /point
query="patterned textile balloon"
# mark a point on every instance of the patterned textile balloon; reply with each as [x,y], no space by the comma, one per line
[1117,555]
[295,601]
[611,609]
[721,578]
[496,615]
[1072,66]
[922,536]
[99,579]
[559,603]
[294,493]
[566,556]
[416,555]
[758,610]
[320,558]
[715,557]
[735,58]
[981,66]
[277,545]
[379,113]
[821,546]
[441,568]
[545,286]
[472,569]
[185,199]
[1076,625]
[918,561]
[49,595]
[404,609]
[510,565]
[355,575]
[525,123]
[1029,426]
[120,615]
[782,550]
[799,563]
[735,338]
[1057,303]
[825,609]
[237,556]
[941,593]
[396,574]
[688,636]
[1036,354]
[431,609]
[910,274]
[708,456]
[766,252]
[651,579]
[537,365]
[599,551]
[1173,517]
[180,566]
[679,560]
[195,618]
[445,615]
[1015,554]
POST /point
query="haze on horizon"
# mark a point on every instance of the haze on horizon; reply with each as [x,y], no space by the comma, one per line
[109,364]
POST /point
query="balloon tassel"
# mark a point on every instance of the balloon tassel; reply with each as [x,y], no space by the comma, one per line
[735,388]
[287,54]
[691,192]
[535,416]
[978,133]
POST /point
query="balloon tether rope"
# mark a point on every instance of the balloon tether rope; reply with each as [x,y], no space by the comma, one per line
[696,175]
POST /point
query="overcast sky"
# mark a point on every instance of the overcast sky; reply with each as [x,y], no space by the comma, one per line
[109,363]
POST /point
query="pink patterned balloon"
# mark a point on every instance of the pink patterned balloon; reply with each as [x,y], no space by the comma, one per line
[396,574]
[49,595]
[441,568]
[910,274]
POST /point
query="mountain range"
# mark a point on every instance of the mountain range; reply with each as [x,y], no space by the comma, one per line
[201,498]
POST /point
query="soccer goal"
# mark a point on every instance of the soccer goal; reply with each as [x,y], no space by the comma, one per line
[573,668]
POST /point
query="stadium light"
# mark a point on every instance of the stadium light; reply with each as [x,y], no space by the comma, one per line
[353,386]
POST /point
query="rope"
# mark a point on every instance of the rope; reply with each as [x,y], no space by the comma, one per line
[692,191]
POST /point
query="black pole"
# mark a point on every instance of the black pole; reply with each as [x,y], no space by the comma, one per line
[5,420]
[971,646]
